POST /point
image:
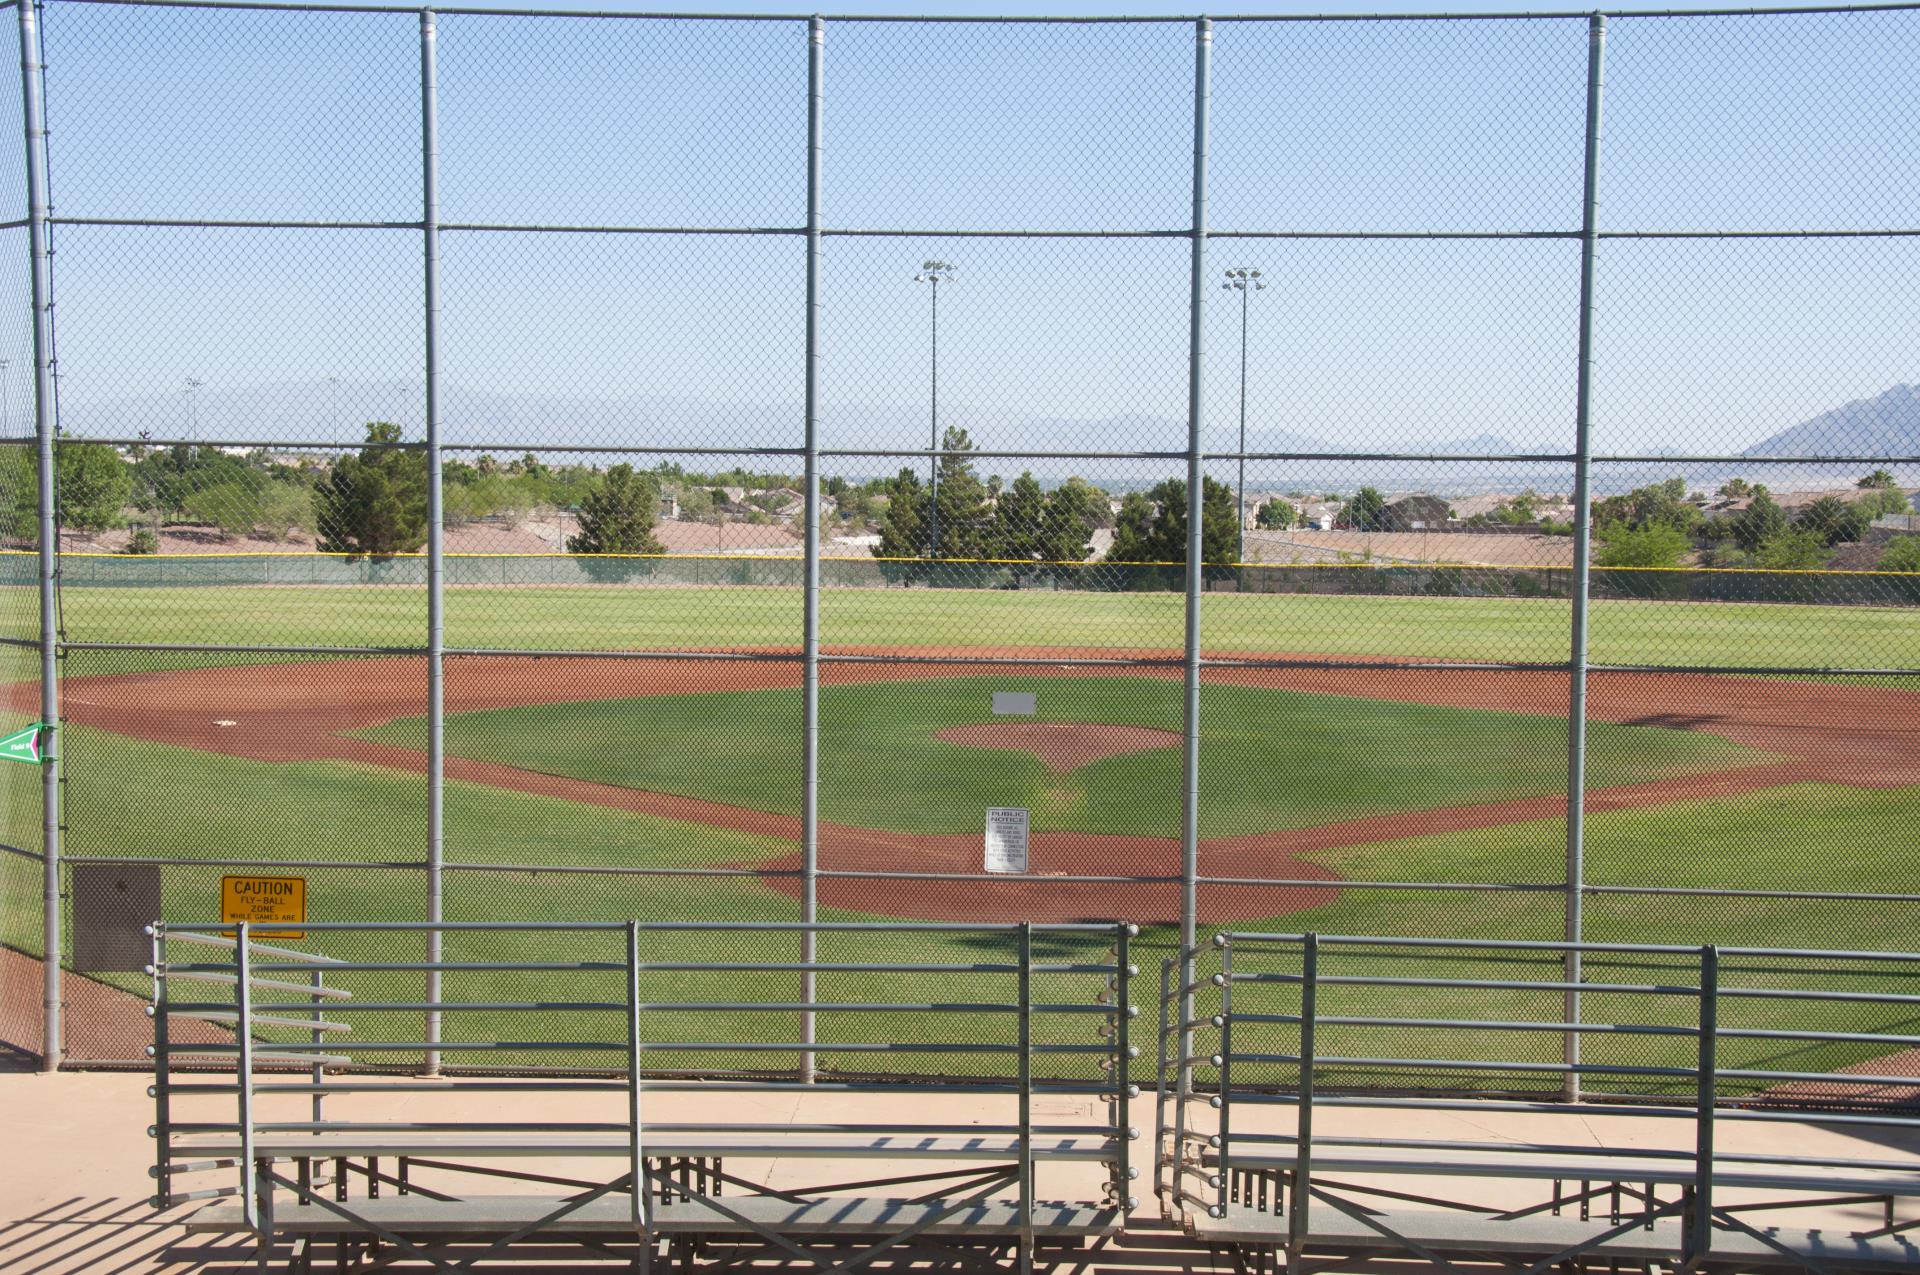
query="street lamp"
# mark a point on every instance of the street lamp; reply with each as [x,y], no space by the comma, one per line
[1246,281]
[935,273]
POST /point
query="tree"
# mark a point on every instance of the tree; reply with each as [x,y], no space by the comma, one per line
[374,504]
[1365,512]
[1133,529]
[1153,528]
[1072,511]
[1761,519]
[617,516]
[1792,549]
[1881,479]
[91,484]
[1883,500]
[1901,554]
[903,528]
[1664,503]
[1735,489]
[1657,545]
[227,508]
[1275,515]
[1834,520]
[1016,520]
[963,505]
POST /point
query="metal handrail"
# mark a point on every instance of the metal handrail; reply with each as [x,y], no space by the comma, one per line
[261,1002]
[1209,1157]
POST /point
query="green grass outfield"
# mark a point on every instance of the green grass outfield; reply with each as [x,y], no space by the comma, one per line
[641,617]
[882,767]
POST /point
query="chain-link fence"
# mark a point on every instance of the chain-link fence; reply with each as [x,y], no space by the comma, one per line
[521,466]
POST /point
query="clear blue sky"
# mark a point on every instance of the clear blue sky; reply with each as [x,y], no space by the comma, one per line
[1782,122]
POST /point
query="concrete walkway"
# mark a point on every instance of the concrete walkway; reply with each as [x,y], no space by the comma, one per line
[74,1154]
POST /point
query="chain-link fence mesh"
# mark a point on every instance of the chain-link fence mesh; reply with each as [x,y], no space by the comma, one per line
[273,303]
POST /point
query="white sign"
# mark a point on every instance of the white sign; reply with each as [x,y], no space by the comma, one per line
[1006,839]
[1013,703]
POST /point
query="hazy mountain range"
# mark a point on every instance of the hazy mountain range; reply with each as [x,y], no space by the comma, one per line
[334,413]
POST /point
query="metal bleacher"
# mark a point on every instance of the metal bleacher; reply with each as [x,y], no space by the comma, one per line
[1262,1033]
[375,1167]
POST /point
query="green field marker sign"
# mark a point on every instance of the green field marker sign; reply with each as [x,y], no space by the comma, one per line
[23,746]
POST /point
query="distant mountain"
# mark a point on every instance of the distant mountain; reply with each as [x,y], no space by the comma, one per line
[1888,425]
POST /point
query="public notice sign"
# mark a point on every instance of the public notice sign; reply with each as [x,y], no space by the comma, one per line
[274,902]
[1006,839]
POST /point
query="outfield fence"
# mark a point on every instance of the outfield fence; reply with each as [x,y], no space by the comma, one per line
[496,465]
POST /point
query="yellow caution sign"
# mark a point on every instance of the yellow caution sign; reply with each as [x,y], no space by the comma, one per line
[265,901]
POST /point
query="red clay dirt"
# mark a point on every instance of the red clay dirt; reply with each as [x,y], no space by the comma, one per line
[1817,732]
[1060,746]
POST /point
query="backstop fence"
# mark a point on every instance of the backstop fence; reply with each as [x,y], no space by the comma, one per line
[501,466]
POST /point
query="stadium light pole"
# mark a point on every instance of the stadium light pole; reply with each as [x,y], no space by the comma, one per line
[935,273]
[193,417]
[1246,281]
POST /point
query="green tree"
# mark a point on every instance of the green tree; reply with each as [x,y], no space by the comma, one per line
[903,528]
[1792,549]
[617,516]
[1760,520]
[90,482]
[1275,515]
[1834,520]
[1880,479]
[1133,529]
[1365,512]
[1163,538]
[1883,500]
[1073,510]
[1664,503]
[1656,545]
[1901,554]
[965,512]
[92,485]
[1735,489]
[374,504]
[1017,516]
[228,508]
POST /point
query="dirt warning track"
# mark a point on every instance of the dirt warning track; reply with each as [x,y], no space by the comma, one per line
[1842,734]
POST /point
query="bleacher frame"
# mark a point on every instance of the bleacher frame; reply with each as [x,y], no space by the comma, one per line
[1293,1198]
[978,1194]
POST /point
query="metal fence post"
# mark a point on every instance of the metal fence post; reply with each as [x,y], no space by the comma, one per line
[1196,305]
[1300,1199]
[1225,1072]
[1024,1165]
[40,268]
[810,585]
[636,1157]
[1698,1240]
[1582,554]
[436,610]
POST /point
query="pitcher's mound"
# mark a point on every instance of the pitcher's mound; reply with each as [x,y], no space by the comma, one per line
[1061,746]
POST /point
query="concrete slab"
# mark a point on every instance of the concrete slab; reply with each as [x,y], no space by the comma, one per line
[74,1185]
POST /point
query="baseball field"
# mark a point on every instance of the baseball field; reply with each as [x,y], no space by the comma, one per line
[1338,781]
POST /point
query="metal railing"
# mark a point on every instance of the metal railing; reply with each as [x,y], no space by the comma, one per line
[657,996]
[1670,1047]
